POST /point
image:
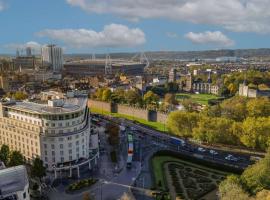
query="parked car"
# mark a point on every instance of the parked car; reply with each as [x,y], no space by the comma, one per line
[213,152]
[231,158]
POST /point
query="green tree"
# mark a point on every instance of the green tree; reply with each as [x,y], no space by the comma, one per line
[106,95]
[257,177]
[16,158]
[20,95]
[133,97]
[231,189]
[37,168]
[4,154]
[234,108]
[113,131]
[214,130]
[258,107]
[255,132]
[99,93]
[151,100]
[182,123]
[189,105]
[118,96]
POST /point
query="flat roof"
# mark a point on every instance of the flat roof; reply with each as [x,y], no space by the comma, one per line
[13,179]
[69,105]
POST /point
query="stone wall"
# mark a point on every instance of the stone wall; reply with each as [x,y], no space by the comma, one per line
[133,111]
[105,106]
[162,117]
[129,110]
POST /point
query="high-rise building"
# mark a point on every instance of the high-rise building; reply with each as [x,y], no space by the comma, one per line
[58,132]
[53,56]
[28,51]
[172,75]
[4,83]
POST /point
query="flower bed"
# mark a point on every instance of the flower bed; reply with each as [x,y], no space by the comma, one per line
[81,184]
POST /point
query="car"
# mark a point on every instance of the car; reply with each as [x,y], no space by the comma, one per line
[213,152]
[200,149]
[231,158]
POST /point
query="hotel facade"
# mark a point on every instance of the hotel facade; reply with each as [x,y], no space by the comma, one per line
[59,132]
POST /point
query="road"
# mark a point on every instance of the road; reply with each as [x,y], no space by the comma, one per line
[191,149]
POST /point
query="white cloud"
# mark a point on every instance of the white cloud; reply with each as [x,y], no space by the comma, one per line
[213,38]
[234,15]
[34,45]
[113,35]
[2,5]
[172,35]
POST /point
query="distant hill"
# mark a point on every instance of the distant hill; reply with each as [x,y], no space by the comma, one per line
[210,54]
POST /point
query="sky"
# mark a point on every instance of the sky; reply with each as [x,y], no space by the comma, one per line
[104,26]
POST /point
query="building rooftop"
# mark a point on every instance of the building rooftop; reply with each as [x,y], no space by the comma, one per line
[67,106]
[13,179]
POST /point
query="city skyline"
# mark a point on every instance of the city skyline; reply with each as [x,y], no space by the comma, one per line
[83,26]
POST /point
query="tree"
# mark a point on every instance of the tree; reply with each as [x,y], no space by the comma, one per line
[232,88]
[106,95]
[16,158]
[182,123]
[113,131]
[151,100]
[234,108]
[189,105]
[214,130]
[134,97]
[118,96]
[20,95]
[37,169]
[4,154]
[258,107]
[255,132]
[257,177]
[231,189]
[169,99]
[99,93]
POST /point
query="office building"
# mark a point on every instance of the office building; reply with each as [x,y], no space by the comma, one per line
[57,131]
[172,75]
[14,183]
[28,51]
[52,56]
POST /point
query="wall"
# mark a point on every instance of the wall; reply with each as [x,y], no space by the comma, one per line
[129,110]
[105,106]
[162,117]
[133,111]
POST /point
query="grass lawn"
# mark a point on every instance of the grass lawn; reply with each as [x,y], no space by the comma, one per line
[155,125]
[199,98]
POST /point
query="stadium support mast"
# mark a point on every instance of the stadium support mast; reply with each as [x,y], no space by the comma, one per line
[144,60]
[108,65]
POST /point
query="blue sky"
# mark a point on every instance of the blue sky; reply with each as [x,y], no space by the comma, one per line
[134,25]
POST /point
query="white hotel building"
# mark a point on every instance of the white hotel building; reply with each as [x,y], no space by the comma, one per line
[58,131]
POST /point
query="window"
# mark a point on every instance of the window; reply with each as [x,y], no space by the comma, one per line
[69,144]
[52,146]
[24,195]
[62,159]
[45,146]
[70,158]
[53,153]
[61,146]
[61,153]
[70,151]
